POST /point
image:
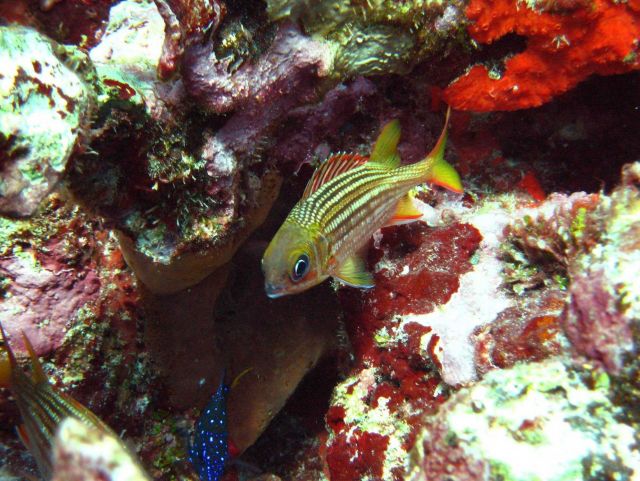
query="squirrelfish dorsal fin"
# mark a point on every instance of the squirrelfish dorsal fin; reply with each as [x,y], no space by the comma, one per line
[37,373]
[354,273]
[7,360]
[384,153]
[331,168]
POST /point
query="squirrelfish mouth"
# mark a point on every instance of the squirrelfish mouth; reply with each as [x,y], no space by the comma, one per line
[274,292]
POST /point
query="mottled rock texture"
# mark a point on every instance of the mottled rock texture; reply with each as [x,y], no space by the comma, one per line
[44,113]
[84,453]
[175,135]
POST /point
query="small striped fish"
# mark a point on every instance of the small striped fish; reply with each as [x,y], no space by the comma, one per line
[347,199]
[42,407]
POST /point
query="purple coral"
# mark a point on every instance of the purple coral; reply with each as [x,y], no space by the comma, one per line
[594,323]
[186,22]
[288,68]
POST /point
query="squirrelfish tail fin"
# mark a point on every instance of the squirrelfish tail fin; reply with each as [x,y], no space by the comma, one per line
[384,153]
[37,373]
[7,360]
[441,172]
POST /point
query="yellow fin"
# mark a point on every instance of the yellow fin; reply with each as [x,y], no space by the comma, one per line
[7,360]
[406,211]
[442,173]
[354,274]
[37,373]
[384,153]
[234,383]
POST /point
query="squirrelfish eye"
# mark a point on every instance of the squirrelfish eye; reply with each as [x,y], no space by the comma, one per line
[300,268]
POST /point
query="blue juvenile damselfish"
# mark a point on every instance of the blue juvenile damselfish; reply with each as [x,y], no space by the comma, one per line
[209,447]
[209,450]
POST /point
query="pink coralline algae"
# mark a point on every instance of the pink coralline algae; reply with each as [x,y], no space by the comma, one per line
[285,69]
[369,450]
[313,123]
[393,375]
[186,22]
[410,277]
[46,283]
[530,408]
[602,314]
[65,286]
[284,78]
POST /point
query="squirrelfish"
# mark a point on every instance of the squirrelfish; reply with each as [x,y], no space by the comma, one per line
[346,200]
[41,405]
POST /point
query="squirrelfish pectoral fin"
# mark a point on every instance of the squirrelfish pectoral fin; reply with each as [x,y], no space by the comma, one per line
[384,153]
[441,172]
[406,211]
[354,273]
[332,167]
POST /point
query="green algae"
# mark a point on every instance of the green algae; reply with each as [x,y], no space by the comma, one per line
[165,434]
[375,36]
[82,336]
[579,223]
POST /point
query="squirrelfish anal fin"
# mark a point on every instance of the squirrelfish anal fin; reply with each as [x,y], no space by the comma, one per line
[384,153]
[24,436]
[353,272]
[406,211]
[442,173]
[331,168]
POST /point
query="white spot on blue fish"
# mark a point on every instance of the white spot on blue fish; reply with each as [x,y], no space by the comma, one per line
[209,451]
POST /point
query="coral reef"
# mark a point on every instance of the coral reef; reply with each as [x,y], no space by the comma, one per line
[66,286]
[149,151]
[602,314]
[503,426]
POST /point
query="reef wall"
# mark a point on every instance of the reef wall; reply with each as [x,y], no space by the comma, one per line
[149,150]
